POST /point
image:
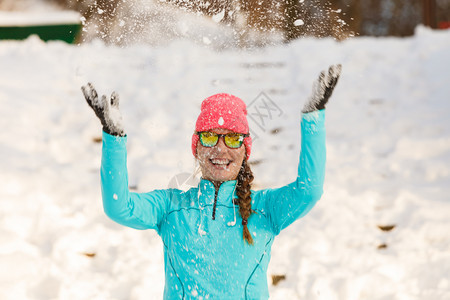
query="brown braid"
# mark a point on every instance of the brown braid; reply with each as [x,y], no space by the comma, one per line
[244,180]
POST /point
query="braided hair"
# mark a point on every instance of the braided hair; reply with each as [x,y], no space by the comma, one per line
[244,200]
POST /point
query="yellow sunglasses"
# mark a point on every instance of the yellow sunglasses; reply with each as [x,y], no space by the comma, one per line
[232,140]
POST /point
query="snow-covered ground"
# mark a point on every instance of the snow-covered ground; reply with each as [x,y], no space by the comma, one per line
[18,19]
[388,163]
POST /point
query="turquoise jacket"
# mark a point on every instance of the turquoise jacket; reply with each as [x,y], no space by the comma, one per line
[207,258]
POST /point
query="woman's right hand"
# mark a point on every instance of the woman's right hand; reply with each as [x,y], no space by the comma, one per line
[107,110]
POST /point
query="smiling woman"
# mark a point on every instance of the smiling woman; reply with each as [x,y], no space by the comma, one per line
[211,251]
[220,131]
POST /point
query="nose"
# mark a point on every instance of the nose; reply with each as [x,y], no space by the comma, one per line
[221,144]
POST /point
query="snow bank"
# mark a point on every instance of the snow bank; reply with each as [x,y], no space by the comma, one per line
[21,19]
[388,163]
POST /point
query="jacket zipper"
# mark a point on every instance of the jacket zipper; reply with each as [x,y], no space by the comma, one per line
[215,204]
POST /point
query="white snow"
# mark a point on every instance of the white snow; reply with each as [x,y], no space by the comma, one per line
[388,163]
[36,18]
[299,22]
[219,16]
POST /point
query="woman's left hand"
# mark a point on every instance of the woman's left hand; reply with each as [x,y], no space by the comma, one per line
[322,89]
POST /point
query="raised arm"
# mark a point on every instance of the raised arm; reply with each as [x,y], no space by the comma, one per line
[286,204]
[140,211]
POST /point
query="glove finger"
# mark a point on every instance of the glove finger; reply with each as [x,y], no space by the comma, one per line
[89,94]
[92,98]
[93,90]
[105,104]
[334,72]
[331,83]
[333,76]
[115,100]
[321,78]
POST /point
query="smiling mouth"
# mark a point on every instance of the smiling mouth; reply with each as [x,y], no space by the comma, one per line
[220,162]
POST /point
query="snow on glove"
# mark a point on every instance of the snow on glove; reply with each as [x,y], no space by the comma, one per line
[322,89]
[107,110]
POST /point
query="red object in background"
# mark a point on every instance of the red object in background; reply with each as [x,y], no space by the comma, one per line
[444,25]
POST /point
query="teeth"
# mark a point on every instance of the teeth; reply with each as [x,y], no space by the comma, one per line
[220,161]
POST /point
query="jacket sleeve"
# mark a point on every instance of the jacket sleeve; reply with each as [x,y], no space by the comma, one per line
[286,204]
[136,210]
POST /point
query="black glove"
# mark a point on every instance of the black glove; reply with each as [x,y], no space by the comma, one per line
[107,110]
[322,89]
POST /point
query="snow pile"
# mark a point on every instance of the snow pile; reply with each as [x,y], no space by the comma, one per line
[38,18]
[379,232]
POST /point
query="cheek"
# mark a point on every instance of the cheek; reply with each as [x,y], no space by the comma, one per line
[201,159]
[198,150]
[203,155]
[235,167]
[240,155]
[238,158]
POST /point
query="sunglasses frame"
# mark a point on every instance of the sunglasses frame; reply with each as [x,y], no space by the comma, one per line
[222,135]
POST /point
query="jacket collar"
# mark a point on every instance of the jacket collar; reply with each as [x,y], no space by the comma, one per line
[226,190]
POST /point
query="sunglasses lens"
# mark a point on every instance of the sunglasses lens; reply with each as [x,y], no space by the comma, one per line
[234,140]
[208,139]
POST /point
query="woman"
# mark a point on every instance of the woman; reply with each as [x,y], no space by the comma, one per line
[217,236]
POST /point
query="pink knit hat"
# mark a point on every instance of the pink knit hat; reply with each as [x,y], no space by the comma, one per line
[223,111]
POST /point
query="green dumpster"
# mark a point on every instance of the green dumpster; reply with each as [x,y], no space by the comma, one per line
[59,25]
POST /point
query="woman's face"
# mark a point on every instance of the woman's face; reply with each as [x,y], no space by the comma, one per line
[220,163]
